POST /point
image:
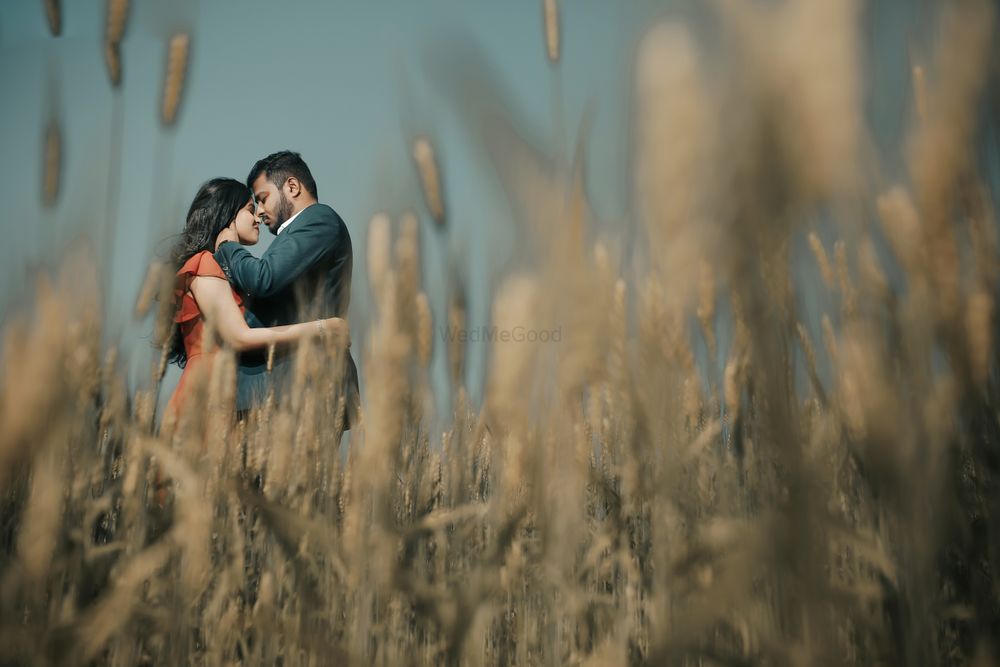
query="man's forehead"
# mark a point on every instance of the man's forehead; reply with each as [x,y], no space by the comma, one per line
[262,184]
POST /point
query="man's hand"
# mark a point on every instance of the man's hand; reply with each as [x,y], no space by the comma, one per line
[227,234]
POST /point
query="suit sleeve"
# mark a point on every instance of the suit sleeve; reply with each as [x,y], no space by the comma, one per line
[298,248]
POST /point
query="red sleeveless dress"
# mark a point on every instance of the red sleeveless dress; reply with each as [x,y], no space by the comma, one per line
[191,323]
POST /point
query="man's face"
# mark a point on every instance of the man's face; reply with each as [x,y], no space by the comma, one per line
[273,206]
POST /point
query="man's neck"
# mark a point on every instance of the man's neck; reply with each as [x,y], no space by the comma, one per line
[292,217]
[302,206]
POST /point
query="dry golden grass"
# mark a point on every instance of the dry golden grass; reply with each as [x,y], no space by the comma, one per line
[605,505]
[173,82]
[551,14]
[430,177]
[116,17]
[52,163]
[53,14]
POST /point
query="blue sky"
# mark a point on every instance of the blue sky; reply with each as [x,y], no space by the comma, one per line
[344,83]
[347,84]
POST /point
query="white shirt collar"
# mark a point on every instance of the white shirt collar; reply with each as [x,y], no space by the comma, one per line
[289,221]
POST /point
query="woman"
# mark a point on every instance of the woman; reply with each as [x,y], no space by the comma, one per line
[203,295]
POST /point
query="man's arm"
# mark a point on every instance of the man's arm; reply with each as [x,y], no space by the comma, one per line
[299,247]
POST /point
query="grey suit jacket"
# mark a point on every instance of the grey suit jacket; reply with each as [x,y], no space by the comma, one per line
[305,272]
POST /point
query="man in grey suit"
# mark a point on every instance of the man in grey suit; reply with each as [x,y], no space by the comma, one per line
[306,269]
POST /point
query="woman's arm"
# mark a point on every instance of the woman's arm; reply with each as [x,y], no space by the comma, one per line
[215,300]
[319,234]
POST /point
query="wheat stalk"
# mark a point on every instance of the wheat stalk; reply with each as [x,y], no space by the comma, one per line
[173,82]
[551,12]
[53,13]
[115,20]
[52,163]
[430,178]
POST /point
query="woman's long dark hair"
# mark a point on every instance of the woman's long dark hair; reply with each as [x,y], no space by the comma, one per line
[213,209]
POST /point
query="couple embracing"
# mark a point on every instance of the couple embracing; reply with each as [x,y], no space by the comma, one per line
[255,304]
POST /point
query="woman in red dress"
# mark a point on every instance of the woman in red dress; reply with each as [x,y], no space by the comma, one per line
[203,294]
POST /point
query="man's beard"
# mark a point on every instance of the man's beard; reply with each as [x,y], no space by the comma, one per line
[282,215]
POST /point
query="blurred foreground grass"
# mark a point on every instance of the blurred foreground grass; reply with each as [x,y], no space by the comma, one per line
[605,505]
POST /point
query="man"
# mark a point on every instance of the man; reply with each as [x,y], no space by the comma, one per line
[308,266]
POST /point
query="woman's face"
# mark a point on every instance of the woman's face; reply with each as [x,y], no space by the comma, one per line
[247,225]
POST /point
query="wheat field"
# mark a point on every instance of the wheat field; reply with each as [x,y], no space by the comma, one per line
[829,496]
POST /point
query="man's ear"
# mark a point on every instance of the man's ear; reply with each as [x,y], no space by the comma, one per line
[294,187]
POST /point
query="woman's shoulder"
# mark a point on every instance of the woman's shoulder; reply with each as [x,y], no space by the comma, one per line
[201,264]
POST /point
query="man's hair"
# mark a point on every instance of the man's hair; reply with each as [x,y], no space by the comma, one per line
[278,167]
